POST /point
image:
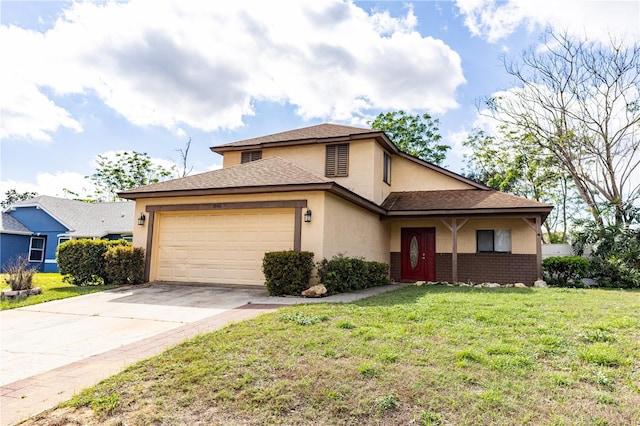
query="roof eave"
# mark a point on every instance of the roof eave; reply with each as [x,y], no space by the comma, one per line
[488,212]
[227,191]
[380,137]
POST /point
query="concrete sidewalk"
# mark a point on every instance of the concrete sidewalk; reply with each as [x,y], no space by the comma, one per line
[53,350]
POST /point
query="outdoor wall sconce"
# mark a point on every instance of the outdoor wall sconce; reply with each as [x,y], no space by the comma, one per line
[307,216]
[141,219]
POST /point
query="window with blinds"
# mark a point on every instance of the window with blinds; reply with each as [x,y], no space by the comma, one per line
[248,156]
[337,162]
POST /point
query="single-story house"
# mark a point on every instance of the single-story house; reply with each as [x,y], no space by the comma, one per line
[333,189]
[33,228]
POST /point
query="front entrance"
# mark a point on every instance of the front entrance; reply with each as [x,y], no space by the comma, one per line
[418,254]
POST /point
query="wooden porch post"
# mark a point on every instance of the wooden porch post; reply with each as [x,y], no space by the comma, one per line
[537,227]
[539,246]
[454,228]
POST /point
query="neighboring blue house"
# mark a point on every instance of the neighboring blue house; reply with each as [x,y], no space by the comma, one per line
[33,228]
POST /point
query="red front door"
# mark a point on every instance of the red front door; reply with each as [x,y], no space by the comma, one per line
[418,253]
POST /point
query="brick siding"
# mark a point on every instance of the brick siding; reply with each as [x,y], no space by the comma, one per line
[502,268]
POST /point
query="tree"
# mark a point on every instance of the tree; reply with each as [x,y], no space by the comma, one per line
[414,134]
[128,170]
[513,163]
[12,196]
[580,102]
[184,156]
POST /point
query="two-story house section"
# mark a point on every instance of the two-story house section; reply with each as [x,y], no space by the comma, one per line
[334,189]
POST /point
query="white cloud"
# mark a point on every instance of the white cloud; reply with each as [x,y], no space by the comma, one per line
[206,64]
[58,184]
[593,19]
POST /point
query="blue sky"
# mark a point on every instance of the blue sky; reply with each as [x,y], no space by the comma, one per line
[80,80]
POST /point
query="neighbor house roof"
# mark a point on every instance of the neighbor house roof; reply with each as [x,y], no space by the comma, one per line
[469,201]
[10,225]
[84,219]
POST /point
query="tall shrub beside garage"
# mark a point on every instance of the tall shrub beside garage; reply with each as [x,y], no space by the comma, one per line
[287,272]
[124,265]
[82,262]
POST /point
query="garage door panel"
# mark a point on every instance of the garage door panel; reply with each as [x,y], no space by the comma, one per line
[219,247]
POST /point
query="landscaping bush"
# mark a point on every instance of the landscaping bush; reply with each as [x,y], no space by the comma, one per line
[615,251]
[343,274]
[82,261]
[19,274]
[124,265]
[565,270]
[287,272]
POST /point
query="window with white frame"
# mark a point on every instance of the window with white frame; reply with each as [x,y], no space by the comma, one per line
[493,240]
[36,249]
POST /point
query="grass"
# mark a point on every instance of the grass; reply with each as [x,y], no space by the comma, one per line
[419,355]
[53,288]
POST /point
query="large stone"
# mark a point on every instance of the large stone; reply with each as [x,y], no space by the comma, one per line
[420,283]
[493,285]
[589,282]
[520,285]
[540,284]
[315,291]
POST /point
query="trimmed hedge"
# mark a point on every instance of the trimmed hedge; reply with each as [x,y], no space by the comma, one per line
[565,271]
[124,265]
[287,272]
[344,274]
[82,262]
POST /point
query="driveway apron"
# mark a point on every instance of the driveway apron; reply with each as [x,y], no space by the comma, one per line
[51,351]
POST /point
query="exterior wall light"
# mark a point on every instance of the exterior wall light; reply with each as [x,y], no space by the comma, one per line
[141,219]
[307,216]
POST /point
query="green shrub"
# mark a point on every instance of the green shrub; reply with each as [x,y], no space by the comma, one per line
[344,274]
[565,270]
[19,274]
[82,261]
[287,272]
[614,272]
[124,265]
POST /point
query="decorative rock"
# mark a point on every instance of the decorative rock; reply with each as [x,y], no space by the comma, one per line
[508,285]
[315,291]
[540,284]
[11,294]
[520,285]
[493,285]
[420,283]
[464,285]
[589,282]
[432,283]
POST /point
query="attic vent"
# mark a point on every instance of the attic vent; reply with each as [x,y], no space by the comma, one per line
[337,162]
[248,156]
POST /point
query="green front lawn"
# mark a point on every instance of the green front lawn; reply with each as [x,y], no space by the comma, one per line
[419,355]
[53,288]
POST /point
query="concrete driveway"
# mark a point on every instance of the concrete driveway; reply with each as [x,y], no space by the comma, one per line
[53,350]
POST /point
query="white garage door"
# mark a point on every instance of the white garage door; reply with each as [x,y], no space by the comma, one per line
[223,247]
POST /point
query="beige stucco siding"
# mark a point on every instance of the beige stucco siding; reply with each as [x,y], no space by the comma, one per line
[409,176]
[523,238]
[365,165]
[353,231]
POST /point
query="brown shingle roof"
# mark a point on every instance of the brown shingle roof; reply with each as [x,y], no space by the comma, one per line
[321,131]
[267,172]
[474,200]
